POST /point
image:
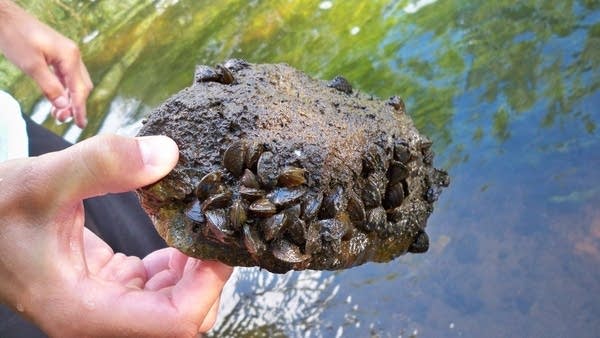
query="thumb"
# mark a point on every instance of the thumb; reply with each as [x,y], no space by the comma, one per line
[107,164]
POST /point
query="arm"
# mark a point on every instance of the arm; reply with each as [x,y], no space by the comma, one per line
[52,60]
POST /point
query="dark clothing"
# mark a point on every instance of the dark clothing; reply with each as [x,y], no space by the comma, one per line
[117,218]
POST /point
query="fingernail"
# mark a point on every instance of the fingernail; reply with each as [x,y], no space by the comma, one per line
[80,118]
[158,151]
[61,102]
[64,116]
[60,116]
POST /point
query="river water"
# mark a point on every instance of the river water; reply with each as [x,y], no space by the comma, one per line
[508,91]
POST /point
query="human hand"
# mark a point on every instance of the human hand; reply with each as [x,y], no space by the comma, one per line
[51,59]
[67,280]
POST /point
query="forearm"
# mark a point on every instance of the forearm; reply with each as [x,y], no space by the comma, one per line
[5,5]
[8,11]
[18,33]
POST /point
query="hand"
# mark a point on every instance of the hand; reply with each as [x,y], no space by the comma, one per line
[66,279]
[51,59]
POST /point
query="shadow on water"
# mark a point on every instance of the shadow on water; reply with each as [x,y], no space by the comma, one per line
[509,92]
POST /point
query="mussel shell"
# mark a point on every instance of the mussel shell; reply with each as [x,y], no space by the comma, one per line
[206,74]
[218,225]
[421,243]
[252,241]
[251,194]
[371,195]
[253,152]
[226,77]
[262,208]
[267,170]
[332,229]
[249,180]
[374,159]
[294,225]
[401,151]
[285,196]
[394,196]
[425,143]
[237,214]
[344,218]
[194,212]
[296,229]
[313,238]
[311,205]
[397,172]
[356,208]
[272,226]
[217,201]
[426,151]
[397,103]
[428,156]
[293,211]
[208,185]
[379,179]
[340,83]
[432,194]
[287,252]
[292,176]
[440,178]
[233,158]
[333,203]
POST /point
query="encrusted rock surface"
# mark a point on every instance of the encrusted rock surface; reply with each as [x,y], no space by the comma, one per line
[285,172]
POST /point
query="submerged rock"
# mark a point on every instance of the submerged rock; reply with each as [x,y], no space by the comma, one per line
[285,172]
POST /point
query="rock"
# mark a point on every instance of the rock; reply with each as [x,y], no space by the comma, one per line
[285,172]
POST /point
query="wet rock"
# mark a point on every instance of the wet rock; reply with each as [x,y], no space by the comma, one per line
[279,171]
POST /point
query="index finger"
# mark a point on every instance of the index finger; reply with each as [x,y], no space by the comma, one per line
[79,85]
[199,288]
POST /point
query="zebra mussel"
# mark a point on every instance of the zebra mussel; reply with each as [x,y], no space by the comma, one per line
[274,215]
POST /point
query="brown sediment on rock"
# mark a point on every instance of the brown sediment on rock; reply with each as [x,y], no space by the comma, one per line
[286,172]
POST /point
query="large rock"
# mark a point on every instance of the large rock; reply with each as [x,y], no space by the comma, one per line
[284,172]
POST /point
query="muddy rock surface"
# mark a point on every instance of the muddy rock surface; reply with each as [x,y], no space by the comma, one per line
[286,172]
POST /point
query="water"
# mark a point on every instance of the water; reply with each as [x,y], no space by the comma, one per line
[508,91]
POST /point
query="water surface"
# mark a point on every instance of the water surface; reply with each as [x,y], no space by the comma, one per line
[509,93]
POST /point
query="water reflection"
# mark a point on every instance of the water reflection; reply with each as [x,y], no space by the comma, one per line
[509,92]
[260,304]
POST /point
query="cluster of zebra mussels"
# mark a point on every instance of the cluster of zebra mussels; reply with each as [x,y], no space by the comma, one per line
[285,172]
